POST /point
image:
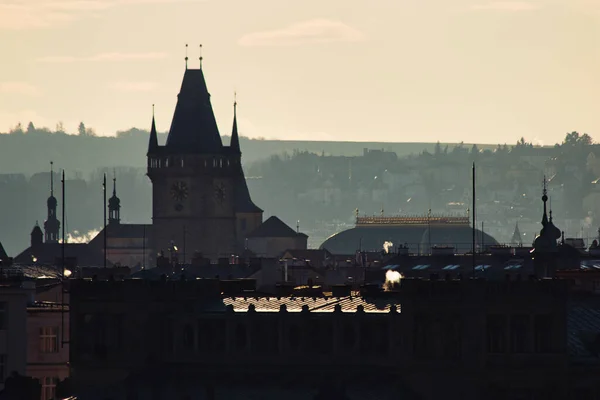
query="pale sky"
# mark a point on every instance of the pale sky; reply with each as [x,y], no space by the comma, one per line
[377,70]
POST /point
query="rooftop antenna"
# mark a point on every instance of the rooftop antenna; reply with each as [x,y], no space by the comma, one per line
[200,58]
[186,55]
[298,226]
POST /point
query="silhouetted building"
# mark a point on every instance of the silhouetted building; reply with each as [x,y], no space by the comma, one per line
[199,192]
[273,237]
[474,338]
[418,233]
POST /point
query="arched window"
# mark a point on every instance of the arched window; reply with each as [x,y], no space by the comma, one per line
[220,163]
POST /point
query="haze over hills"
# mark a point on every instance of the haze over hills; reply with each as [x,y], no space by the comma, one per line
[318,183]
[30,151]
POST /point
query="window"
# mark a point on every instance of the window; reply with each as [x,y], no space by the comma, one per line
[2,367]
[49,339]
[49,388]
[496,337]
[3,319]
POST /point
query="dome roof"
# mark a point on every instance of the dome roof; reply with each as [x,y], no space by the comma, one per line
[114,202]
[459,237]
[415,236]
[52,202]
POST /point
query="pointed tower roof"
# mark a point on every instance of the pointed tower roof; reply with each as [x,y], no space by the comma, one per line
[516,238]
[235,140]
[153,141]
[114,203]
[194,127]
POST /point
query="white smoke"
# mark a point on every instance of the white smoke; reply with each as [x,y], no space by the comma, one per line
[392,278]
[78,237]
[387,246]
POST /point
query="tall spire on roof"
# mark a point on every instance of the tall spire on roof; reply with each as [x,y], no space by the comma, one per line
[235,140]
[545,199]
[153,142]
[51,225]
[516,238]
[114,204]
[186,56]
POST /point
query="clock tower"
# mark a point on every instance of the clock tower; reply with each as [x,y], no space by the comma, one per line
[200,200]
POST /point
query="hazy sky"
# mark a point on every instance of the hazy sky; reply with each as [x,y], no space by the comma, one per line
[389,70]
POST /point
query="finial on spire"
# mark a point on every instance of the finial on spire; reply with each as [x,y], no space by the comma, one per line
[186,55]
[114,182]
[51,178]
[152,110]
[200,58]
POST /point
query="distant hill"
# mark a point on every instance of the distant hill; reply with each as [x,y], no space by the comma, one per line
[28,153]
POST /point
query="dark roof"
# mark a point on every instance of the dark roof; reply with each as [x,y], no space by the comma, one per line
[372,238]
[194,128]
[316,255]
[3,254]
[274,227]
[153,140]
[231,271]
[243,201]
[49,253]
[234,145]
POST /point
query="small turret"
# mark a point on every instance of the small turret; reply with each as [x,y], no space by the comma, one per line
[51,225]
[37,236]
[114,206]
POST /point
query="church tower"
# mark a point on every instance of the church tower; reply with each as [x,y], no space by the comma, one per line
[114,206]
[51,225]
[200,200]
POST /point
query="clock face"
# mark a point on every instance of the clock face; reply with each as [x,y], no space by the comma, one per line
[179,191]
[220,192]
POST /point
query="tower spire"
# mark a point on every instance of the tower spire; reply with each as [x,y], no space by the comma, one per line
[51,178]
[186,56]
[114,183]
[235,140]
[200,58]
[51,225]
[545,199]
[153,141]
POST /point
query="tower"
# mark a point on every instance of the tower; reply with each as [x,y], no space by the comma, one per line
[51,225]
[114,206]
[199,192]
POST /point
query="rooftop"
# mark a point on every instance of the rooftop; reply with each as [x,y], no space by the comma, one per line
[348,304]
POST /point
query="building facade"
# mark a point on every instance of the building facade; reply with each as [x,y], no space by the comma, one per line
[181,339]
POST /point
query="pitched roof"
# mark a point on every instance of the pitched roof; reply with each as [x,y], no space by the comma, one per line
[194,127]
[3,254]
[243,201]
[153,140]
[274,227]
